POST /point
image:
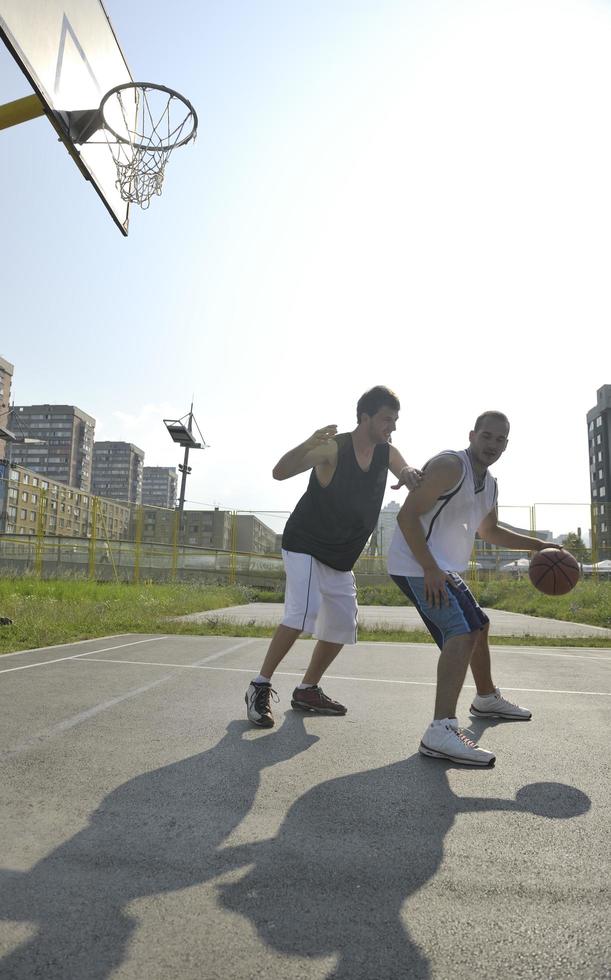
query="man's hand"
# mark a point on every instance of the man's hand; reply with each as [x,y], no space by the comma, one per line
[408,477]
[319,450]
[435,590]
[321,436]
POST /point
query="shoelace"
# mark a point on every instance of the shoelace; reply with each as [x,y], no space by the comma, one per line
[461,735]
[260,698]
[511,703]
[324,698]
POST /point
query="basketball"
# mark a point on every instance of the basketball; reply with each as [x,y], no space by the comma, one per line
[553,571]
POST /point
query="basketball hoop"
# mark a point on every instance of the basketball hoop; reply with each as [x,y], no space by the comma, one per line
[143,123]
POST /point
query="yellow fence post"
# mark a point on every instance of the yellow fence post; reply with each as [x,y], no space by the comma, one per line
[176,524]
[94,535]
[108,555]
[594,541]
[234,541]
[138,541]
[40,533]
[473,571]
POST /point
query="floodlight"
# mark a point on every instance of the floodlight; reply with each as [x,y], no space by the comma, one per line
[180,434]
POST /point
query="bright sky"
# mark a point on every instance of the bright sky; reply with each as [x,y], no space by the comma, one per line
[414,194]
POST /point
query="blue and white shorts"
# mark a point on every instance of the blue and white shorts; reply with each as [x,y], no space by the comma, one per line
[462,615]
[318,599]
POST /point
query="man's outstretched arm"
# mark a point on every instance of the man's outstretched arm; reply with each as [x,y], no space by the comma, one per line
[408,476]
[491,531]
[318,450]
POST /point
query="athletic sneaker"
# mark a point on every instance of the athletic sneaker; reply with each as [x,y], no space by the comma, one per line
[443,739]
[314,699]
[496,706]
[258,707]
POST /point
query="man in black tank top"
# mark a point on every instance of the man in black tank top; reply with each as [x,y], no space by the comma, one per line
[322,540]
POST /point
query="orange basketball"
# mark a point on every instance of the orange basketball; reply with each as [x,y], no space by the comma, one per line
[553,571]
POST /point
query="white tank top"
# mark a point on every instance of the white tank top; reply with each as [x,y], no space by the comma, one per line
[450,525]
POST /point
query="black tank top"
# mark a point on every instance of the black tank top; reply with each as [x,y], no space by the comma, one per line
[333,523]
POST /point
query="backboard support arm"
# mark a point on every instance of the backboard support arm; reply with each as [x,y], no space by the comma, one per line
[20,111]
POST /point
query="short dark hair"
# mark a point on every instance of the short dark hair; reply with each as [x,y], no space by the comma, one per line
[487,415]
[375,399]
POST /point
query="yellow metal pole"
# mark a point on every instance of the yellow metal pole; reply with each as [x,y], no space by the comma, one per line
[94,534]
[20,111]
[40,533]
[107,542]
[138,541]
[473,576]
[234,540]
[175,544]
[594,542]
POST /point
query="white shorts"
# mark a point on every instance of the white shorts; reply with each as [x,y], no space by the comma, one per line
[319,600]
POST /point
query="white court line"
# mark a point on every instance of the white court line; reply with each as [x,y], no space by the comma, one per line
[69,723]
[566,656]
[82,716]
[78,656]
[338,677]
[533,651]
[73,643]
[119,646]
[236,646]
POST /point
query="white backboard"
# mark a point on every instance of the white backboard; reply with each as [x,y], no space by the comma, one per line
[70,54]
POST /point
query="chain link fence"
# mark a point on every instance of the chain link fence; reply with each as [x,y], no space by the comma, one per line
[50,530]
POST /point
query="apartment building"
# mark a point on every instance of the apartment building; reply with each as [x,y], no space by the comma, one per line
[159,486]
[599,449]
[217,530]
[6,378]
[254,536]
[33,504]
[117,471]
[59,442]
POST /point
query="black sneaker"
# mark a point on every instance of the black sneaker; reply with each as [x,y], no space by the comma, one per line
[314,699]
[258,707]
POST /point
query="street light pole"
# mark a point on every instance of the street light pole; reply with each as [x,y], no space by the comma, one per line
[183,435]
[185,468]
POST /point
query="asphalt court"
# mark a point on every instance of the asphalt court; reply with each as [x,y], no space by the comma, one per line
[146,830]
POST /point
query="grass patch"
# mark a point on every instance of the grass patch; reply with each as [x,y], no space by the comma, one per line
[46,613]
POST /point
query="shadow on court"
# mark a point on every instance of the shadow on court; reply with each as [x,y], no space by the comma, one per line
[348,854]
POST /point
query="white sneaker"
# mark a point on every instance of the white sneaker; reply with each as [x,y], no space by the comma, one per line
[496,706]
[443,739]
[258,706]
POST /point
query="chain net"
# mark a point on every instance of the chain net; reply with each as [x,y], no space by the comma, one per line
[143,125]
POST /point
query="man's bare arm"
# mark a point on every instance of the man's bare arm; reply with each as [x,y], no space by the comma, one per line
[408,476]
[440,476]
[491,531]
[319,450]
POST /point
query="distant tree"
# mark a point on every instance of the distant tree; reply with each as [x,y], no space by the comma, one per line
[576,546]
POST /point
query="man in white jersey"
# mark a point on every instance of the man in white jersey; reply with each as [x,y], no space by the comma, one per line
[432,543]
